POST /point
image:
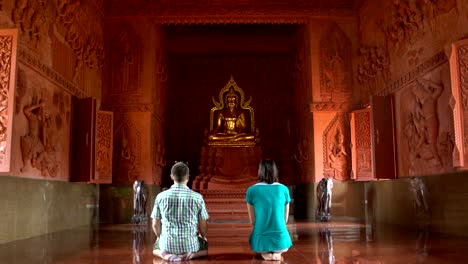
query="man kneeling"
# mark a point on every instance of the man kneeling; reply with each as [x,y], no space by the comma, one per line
[177,214]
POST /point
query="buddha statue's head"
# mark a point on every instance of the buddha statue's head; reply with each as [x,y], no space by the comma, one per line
[231,99]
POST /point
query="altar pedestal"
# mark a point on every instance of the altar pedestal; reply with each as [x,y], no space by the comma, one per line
[225,174]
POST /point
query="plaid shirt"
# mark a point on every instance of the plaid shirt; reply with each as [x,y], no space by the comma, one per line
[179,209]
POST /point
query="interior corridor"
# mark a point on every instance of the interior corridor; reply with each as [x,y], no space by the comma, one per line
[334,242]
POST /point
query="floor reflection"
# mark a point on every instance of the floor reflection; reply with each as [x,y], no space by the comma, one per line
[332,242]
[326,245]
[139,234]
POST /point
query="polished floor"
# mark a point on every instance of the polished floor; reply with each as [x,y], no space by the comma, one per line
[334,242]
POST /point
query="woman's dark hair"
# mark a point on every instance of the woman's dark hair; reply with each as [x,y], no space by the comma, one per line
[267,171]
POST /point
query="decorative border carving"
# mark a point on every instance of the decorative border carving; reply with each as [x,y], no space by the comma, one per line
[430,64]
[325,142]
[104,145]
[230,19]
[330,107]
[8,48]
[202,13]
[130,108]
[46,71]
[459,77]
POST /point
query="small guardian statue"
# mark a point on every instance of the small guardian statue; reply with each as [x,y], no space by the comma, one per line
[324,196]
[140,197]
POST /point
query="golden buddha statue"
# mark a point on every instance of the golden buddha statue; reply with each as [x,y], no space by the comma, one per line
[231,120]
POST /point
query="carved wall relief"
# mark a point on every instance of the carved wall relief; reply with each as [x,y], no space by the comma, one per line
[426,129]
[402,25]
[30,18]
[373,70]
[88,47]
[432,9]
[8,47]
[104,126]
[335,66]
[337,152]
[127,153]
[47,126]
[126,60]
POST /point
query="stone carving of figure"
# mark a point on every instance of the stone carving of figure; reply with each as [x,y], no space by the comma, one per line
[126,61]
[324,196]
[35,146]
[127,158]
[338,157]
[140,196]
[231,124]
[425,116]
[335,74]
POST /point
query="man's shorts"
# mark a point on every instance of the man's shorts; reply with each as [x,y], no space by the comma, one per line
[203,244]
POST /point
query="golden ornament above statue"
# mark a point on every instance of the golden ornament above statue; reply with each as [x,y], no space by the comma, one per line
[232,121]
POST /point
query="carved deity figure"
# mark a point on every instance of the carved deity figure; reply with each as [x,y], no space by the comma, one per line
[336,76]
[37,149]
[324,196]
[338,157]
[231,123]
[127,158]
[425,117]
[140,197]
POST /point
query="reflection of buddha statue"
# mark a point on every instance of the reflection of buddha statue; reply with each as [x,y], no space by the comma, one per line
[231,123]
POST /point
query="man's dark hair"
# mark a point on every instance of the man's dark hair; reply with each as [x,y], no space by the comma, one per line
[267,171]
[180,171]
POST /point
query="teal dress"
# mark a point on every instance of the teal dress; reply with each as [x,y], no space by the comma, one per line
[269,233]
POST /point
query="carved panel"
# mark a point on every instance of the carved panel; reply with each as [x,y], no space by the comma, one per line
[335,66]
[336,148]
[43,125]
[361,146]
[29,17]
[8,48]
[459,77]
[104,135]
[127,153]
[373,70]
[432,9]
[426,131]
[402,25]
[72,22]
[125,61]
